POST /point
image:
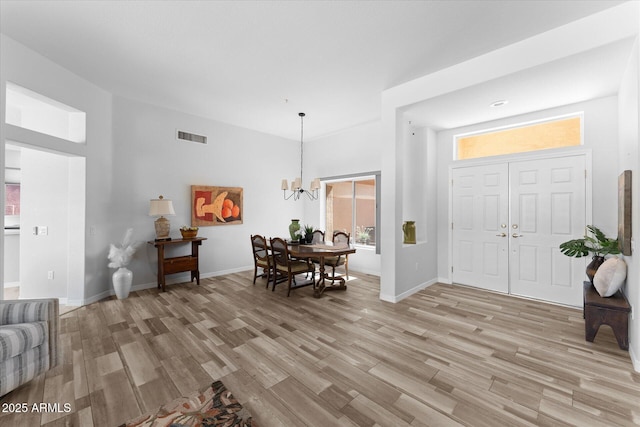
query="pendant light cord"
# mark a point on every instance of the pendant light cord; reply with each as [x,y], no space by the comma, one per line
[301,146]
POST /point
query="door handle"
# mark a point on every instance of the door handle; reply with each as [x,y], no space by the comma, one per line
[502,235]
[515,235]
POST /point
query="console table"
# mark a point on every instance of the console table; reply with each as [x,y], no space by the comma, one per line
[177,264]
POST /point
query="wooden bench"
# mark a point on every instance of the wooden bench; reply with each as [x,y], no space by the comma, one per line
[612,311]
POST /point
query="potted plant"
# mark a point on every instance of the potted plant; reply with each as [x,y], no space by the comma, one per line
[120,257]
[362,235]
[308,233]
[597,243]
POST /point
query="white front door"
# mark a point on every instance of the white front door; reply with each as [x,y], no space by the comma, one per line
[480,217]
[508,221]
[547,208]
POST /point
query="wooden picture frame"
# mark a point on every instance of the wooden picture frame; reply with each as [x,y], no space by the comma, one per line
[624,212]
[216,205]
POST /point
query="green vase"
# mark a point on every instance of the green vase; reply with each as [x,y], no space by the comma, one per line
[293,227]
[409,230]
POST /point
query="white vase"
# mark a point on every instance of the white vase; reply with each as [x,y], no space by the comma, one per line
[122,279]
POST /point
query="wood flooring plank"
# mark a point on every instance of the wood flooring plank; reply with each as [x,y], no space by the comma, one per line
[308,406]
[445,356]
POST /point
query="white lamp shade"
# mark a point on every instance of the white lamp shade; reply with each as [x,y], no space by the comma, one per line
[297,184]
[285,184]
[315,184]
[160,207]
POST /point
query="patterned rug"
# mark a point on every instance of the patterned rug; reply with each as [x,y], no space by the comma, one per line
[213,406]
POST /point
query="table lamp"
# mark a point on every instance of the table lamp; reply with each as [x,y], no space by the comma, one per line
[160,207]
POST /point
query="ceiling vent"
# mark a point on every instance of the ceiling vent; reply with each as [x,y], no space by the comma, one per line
[191,137]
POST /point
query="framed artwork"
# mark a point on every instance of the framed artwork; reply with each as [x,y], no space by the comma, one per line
[216,205]
[624,212]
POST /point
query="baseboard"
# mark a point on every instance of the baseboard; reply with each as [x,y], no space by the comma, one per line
[445,280]
[406,294]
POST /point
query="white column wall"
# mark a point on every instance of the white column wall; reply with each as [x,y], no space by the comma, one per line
[629,128]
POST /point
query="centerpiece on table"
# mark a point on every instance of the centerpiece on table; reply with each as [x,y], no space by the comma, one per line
[120,257]
[308,233]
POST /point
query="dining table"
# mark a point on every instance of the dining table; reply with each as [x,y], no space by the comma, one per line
[319,252]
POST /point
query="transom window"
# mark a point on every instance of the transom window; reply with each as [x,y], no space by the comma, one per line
[553,133]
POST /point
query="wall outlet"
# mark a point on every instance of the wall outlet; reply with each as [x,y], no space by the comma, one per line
[50,274]
[43,230]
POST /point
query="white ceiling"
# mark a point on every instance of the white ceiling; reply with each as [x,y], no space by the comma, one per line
[256,64]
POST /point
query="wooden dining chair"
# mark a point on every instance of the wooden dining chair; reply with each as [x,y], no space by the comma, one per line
[340,238]
[261,258]
[318,238]
[285,266]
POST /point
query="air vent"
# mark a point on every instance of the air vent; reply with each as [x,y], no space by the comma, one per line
[191,137]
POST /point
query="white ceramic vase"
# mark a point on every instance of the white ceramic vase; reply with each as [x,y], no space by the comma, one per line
[122,279]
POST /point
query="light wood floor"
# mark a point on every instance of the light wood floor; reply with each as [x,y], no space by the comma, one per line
[448,355]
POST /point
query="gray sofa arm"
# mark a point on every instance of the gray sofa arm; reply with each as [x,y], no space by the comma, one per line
[33,310]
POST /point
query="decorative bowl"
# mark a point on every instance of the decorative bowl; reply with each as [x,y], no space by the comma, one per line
[189,234]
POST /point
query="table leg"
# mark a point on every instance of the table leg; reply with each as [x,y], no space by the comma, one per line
[161,267]
[322,286]
[194,253]
[319,287]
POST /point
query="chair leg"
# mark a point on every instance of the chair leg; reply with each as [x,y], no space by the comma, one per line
[289,285]
[255,273]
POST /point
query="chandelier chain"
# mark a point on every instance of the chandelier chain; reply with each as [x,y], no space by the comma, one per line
[301,145]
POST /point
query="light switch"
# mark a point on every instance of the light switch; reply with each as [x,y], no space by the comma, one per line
[43,230]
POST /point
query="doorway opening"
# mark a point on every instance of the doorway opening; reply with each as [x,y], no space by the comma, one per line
[44,243]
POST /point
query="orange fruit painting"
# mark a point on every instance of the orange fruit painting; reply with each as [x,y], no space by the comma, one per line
[216,205]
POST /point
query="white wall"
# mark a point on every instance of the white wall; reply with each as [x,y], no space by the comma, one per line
[148,162]
[143,160]
[613,24]
[11,258]
[44,201]
[417,263]
[629,154]
[356,150]
[33,71]
[600,135]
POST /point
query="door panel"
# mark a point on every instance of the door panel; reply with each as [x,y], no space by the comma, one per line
[548,208]
[538,204]
[480,206]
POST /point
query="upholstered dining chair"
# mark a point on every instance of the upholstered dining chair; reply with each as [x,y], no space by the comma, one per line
[285,266]
[340,238]
[318,237]
[261,258]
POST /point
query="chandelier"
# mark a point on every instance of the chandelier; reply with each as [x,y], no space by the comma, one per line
[296,185]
